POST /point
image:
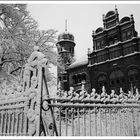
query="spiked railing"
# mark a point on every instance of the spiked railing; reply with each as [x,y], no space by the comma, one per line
[93,114]
[94,97]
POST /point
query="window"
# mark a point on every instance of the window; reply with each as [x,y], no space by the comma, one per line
[71,49]
[102,44]
[79,78]
[84,77]
[115,39]
[101,58]
[59,49]
[122,80]
[111,41]
[65,77]
[92,60]
[128,48]
[133,76]
[98,45]
[111,24]
[124,37]
[117,79]
[114,54]
[116,74]
[102,81]
[129,35]
[112,82]
[74,79]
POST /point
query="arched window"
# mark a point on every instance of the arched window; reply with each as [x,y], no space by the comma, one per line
[133,75]
[111,41]
[84,77]
[79,78]
[117,79]
[134,78]
[116,74]
[74,79]
[102,81]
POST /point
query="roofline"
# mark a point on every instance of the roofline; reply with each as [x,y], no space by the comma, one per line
[74,67]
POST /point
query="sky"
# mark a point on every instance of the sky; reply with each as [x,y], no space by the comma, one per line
[81,19]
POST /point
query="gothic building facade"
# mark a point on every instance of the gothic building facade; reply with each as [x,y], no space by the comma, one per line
[115,59]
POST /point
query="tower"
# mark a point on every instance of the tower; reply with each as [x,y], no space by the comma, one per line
[65,46]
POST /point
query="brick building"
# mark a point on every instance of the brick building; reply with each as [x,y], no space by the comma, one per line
[115,59]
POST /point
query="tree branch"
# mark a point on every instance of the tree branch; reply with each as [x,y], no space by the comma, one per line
[18,68]
[9,60]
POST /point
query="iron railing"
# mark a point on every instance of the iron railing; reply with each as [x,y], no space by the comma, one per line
[96,114]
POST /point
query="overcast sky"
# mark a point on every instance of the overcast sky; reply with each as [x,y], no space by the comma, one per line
[81,19]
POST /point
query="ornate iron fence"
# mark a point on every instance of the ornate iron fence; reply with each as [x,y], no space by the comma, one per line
[96,114]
